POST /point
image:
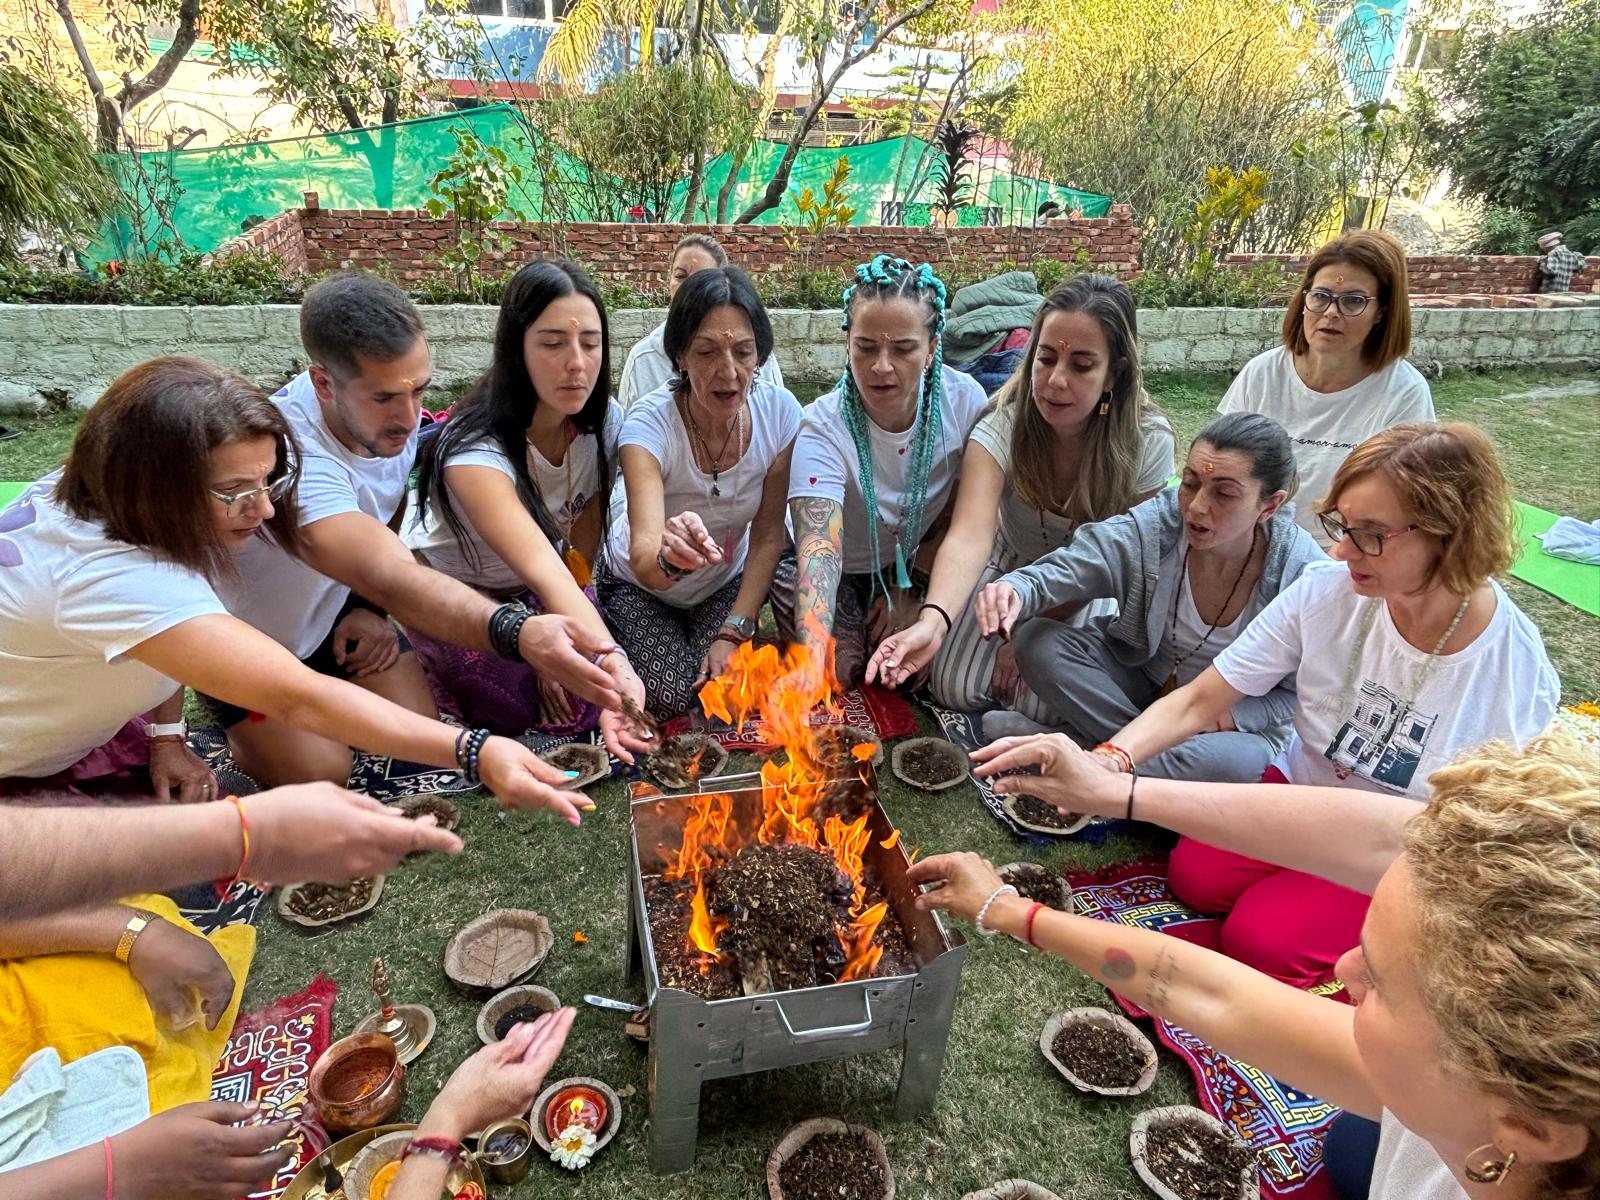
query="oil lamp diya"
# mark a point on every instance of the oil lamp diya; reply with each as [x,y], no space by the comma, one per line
[409,1026]
[575,1105]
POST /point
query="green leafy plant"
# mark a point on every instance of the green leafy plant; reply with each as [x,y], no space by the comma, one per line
[189,278]
[1504,231]
[955,140]
[472,190]
[52,187]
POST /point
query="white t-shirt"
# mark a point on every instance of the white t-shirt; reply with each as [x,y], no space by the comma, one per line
[825,465]
[1325,426]
[1408,1168]
[73,602]
[1500,687]
[430,533]
[654,424]
[276,592]
[1021,538]
[648,367]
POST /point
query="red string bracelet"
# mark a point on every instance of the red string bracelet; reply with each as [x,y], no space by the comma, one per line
[108,1168]
[436,1147]
[1027,933]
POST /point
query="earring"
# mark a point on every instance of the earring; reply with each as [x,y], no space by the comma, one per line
[1105,403]
[1489,1169]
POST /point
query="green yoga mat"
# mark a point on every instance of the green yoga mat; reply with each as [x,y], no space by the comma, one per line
[10,491]
[1576,583]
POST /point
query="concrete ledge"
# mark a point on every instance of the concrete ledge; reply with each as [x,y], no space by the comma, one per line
[56,353]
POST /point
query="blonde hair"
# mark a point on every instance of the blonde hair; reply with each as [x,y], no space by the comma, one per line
[1505,861]
[1112,443]
[1449,477]
[1375,251]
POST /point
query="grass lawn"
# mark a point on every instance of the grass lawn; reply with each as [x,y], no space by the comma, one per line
[1002,1111]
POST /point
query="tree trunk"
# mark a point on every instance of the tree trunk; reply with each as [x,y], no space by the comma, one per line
[697,169]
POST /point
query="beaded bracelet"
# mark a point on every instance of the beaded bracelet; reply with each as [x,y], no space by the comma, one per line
[468,751]
[670,570]
[505,630]
[1005,889]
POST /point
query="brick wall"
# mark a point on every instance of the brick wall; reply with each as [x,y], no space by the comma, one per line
[405,241]
[280,235]
[1449,274]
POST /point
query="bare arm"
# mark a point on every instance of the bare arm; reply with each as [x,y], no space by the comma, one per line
[224,657]
[1345,835]
[647,517]
[1305,1040]
[819,554]
[57,858]
[365,556]
[1194,708]
[965,550]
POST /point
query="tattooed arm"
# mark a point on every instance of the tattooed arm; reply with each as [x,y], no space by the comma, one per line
[819,551]
[1305,1040]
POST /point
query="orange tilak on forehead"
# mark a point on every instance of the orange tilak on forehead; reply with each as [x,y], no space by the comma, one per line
[1064,347]
[573,322]
[1207,467]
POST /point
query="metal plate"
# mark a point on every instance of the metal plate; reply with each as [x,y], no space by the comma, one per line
[307,1185]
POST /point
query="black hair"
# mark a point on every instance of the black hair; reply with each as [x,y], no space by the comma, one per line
[353,313]
[500,405]
[1263,441]
[697,296]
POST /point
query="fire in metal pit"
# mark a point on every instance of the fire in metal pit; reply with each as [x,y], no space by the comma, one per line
[771,916]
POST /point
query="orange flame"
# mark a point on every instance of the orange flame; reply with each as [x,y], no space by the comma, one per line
[782,691]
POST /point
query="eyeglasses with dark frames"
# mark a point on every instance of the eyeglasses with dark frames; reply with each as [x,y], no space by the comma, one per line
[1350,304]
[236,502]
[1368,541]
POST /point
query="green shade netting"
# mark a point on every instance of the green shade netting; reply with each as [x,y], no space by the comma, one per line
[216,189]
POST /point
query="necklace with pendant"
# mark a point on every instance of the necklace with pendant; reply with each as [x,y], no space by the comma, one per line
[735,431]
[1172,628]
[1419,677]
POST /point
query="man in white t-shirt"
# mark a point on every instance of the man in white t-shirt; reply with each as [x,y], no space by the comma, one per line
[355,412]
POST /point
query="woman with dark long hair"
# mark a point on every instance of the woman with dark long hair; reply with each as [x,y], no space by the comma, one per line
[512,498]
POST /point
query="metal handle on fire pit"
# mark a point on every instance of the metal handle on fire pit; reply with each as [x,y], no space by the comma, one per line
[827,1030]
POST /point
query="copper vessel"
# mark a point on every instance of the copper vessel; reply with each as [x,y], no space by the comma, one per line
[358,1082]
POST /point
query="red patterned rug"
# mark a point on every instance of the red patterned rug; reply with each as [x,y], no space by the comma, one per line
[1284,1125]
[269,1060]
[877,710]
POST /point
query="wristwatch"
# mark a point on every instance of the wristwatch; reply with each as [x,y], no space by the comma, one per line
[745,627]
[130,933]
[178,729]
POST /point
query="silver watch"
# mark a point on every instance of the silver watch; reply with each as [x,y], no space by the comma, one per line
[745,627]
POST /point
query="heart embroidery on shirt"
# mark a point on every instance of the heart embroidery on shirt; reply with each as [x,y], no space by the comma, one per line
[813,479]
[902,451]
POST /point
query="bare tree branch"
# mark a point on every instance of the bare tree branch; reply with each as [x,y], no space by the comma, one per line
[779,183]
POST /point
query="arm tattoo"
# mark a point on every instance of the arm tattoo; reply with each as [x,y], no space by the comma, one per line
[1118,966]
[1160,987]
[819,550]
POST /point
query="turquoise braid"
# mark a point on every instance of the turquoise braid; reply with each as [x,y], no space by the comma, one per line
[887,276]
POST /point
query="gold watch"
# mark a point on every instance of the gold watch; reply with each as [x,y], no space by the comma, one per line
[131,931]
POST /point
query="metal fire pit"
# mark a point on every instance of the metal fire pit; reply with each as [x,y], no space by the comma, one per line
[693,1039]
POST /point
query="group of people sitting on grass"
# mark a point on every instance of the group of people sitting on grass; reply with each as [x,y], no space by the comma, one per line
[1296,656]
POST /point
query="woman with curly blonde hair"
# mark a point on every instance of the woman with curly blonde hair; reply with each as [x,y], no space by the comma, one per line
[1474,1037]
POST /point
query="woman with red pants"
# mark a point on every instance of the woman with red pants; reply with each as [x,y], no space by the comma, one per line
[1404,651]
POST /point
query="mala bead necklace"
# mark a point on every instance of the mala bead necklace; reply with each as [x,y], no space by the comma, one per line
[1183,575]
[1419,679]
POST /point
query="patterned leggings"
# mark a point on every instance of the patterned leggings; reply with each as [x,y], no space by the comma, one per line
[666,644]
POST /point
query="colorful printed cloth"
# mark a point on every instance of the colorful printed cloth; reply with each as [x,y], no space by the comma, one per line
[269,1059]
[1285,1126]
[877,710]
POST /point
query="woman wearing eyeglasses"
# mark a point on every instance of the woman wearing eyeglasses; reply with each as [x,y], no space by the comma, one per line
[1403,650]
[108,605]
[1341,374]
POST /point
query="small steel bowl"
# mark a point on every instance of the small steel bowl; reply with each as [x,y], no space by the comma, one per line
[358,1082]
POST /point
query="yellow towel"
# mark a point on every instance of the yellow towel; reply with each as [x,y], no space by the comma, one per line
[80,1003]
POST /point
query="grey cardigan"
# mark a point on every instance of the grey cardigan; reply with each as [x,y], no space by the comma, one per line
[1134,558]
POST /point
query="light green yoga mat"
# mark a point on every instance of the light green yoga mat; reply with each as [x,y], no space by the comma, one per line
[1576,583]
[10,491]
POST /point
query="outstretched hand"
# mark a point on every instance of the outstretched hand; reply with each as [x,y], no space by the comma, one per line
[500,1080]
[997,610]
[687,544]
[961,883]
[563,649]
[519,778]
[320,832]
[1070,778]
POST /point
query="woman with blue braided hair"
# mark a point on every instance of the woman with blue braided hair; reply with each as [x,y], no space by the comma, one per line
[875,463]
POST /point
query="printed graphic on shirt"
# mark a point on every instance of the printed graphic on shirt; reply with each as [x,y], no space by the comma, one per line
[1382,740]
